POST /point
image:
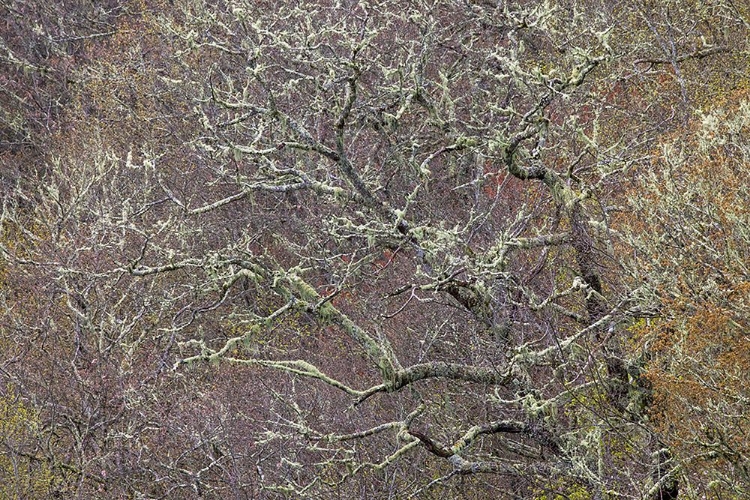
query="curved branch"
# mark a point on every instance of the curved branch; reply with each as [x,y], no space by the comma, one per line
[453,371]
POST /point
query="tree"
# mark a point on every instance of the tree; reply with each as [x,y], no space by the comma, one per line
[691,250]
[23,474]
[338,247]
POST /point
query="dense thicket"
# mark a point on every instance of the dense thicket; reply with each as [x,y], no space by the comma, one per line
[353,249]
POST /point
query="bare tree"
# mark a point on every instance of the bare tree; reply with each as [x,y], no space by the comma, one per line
[325,248]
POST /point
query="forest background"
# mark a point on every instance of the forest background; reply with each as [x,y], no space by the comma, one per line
[371,249]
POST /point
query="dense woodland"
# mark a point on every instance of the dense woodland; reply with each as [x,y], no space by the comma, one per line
[329,249]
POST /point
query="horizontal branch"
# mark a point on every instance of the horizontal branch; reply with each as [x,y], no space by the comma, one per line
[500,426]
[296,366]
[697,54]
[453,371]
[402,424]
[145,271]
[219,203]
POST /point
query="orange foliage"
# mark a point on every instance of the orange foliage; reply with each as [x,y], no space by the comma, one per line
[692,238]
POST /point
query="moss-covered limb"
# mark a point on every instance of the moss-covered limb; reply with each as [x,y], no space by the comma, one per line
[136,269]
[384,359]
[298,367]
[299,294]
[360,193]
[337,156]
[219,203]
[500,426]
[533,302]
[545,240]
[402,436]
[146,270]
[432,445]
[468,292]
[452,371]
[524,356]
[439,370]
[536,432]
[537,172]
[401,425]
[390,459]
[367,432]
[307,143]
[536,304]
[463,466]
[579,238]
[349,98]
[587,262]
[533,124]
